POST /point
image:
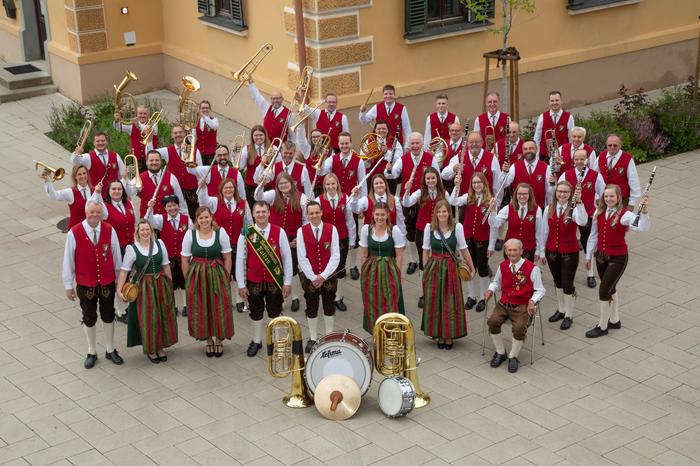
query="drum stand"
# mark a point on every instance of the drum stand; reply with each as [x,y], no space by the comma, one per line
[535,316]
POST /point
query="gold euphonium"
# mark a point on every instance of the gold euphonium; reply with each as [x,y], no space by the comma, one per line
[188,109]
[54,174]
[188,151]
[395,351]
[124,102]
[131,168]
[285,350]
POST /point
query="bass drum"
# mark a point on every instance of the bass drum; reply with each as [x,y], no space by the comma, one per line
[397,396]
[340,353]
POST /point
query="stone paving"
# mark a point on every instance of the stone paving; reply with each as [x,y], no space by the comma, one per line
[630,398]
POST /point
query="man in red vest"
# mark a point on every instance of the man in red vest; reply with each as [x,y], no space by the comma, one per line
[617,167]
[511,145]
[213,175]
[206,131]
[91,259]
[295,169]
[475,159]
[557,119]
[99,160]
[330,121]
[520,283]
[438,123]
[493,124]
[276,116]
[349,169]
[578,135]
[318,251]
[391,111]
[158,178]
[534,172]
[134,129]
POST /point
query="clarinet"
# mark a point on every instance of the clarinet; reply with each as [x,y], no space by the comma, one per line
[572,202]
[646,191]
[462,154]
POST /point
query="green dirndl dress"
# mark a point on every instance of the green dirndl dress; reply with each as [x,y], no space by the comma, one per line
[380,281]
[208,292]
[152,321]
[443,311]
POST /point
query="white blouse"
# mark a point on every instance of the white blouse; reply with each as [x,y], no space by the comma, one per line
[130,255]
[399,239]
[224,241]
[459,229]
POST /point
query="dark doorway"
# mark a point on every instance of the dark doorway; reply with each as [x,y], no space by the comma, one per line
[41,27]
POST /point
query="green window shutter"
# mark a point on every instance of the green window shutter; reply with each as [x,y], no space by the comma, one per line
[203,6]
[416,16]
[237,12]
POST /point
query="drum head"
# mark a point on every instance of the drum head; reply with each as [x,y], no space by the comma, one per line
[396,396]
[338,357]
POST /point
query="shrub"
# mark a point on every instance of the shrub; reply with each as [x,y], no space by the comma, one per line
[679,118]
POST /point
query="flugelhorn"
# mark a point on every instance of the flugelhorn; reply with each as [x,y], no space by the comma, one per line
[153,120]
[285,351]
[54,174]
[395,351]
[490,138]
[84,133]
[188,109]
[131,168]
[246,71]
[188,151]
[321,152]
[237,149]
[124,102]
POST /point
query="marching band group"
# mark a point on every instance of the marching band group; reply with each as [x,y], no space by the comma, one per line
[289,222]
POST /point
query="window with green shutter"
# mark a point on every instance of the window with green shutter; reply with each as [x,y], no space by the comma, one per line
[225,13]
[427,18]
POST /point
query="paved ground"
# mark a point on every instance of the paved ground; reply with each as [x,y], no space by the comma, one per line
[630,398]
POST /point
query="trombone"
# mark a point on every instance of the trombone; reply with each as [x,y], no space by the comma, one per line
[131,168]
[188,109]
[124,102]
[302,89]
[246,71]
[84,133]
[153,120]
[303,114]
[53,174]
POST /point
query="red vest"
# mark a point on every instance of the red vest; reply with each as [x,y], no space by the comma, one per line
[178,168]
[524,230]
[426,160]
[297,171]
[501,127]
[562,234]
[515,155]
[249,177]
[370,207]
[538,180]
[473,228]
[255,270]
[484,166]
[231,222]
[567,156]
[288,220]
[347,175]
[561,131]
[393,119]
[335,217]
[453,153]
[123,223]
[76,210]
[438,129]
[587,187]
[97,168]
[318,252]
[138,149]
[618,174]
[310,163]
[215,179]
[273,126]
[425,213]
[149,188]
[173,238]
[331,127]
[206,140]
[611,234]
[516,289]
[93,264]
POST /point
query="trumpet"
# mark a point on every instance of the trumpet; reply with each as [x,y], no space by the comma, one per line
[303,115]
[302,90]
[490,138]
[131,165]
[246,71]
[395,351]
[188,109]
[84,133]
[271,156]
[188,151]
[53,174]
[237,149]
[285,351]
[321,152]
[147,131]
[553,150]
[124,102]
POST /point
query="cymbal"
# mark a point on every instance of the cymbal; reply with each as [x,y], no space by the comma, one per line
[337,397]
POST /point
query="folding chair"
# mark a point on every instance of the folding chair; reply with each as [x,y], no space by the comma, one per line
[535,316]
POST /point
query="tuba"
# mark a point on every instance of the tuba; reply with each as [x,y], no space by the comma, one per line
[188,151]
[285,351]
[246,71]
[54,174]
[152,123]
[188,109]
[124,102]
[131,165]
[395,351]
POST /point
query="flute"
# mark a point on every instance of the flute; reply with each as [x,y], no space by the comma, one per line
[646,192]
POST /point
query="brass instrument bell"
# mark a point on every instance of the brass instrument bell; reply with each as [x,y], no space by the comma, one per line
[152,123]
[54,174]
[285,351]
[124,102]
[246,71]
[131,168]
[188,109]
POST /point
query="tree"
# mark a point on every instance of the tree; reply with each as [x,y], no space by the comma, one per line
[509,10]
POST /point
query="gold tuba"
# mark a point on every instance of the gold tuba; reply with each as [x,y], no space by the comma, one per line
[131,165]
[246,71]
[285,351]
[84,133]
[395,351]
[124,102]
[188,109]
[54,174]
[188,151]
[152,123]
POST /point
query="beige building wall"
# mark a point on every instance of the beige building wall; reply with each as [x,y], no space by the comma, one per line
[10,47]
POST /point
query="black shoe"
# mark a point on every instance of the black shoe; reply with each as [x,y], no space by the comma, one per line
[218,350]
[114,357]
[499,245]
[566,323]
[498,359]
[184,311]
[615,325]
[163,358]
[123,319]
[295,305]
[596,332]
[309,346]
[441,345]
[421,302]
[240,307]
[513,365]
[340,305]
[448,346]
[591,282]
[411,269]
[481,306]
[209,350]
[556,317]
[155,360]
[253,349]
[469,305]
[90,361]
[354,273]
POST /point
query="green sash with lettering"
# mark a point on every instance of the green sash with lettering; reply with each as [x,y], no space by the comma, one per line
[266,254]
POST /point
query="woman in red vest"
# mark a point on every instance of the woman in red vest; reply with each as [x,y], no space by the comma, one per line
[561,248]
[311,157]
[524,220]
[207,127]
[426,198]
[75,196]
[251,155]
[611,220]
[479,235]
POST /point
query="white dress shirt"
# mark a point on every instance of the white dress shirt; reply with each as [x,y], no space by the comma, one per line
[371,114]
[130,255]
[165,155]
[66,194]
[578,215]
[535,278]
[448,173]
[243,165]
[317,114]
[205,172]
[128,127]
[397,167]
[632,175]
[459,201]
[269,197]
[263,104]
[285,250]
[429,128]
[359,176]
[555,117]
[303,260]
[156,220]
[68,274]
[496,220]
[626,219]
[211,122]
[212,202]
[269,176]
[549,188]
[174,184]
[85,160]
[493,119]
[599,183]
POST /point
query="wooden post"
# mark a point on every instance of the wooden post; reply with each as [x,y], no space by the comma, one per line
[516,92]
[486,84]
[301,42]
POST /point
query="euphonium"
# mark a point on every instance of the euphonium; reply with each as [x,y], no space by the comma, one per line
[124,102]
[84,133]
[131,166]
[246,71]
[490,133]
[395,351]
[188,109]
[152,123]
[188,151]
[54,174]
[285,351]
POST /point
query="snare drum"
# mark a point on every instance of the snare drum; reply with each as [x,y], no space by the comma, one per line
[396,396]
[340,353]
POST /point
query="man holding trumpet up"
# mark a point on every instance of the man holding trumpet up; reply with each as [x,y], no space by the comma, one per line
[135,130]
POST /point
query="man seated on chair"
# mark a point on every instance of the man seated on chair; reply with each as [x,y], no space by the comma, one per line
[520,282]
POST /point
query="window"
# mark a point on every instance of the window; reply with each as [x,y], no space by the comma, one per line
[426,18]
[223,13]
[575,6]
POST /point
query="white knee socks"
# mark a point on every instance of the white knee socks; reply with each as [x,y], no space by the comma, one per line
[313,328]
[560,300]
[109,336]
[568,306]
[90,333]
[615,312]
[471,289]
[328,321]
[296,287]
[605,309]
[515,348]
[498,343]
[179,299]
[484,283]
[352,258]
[339,291]
[257,330]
